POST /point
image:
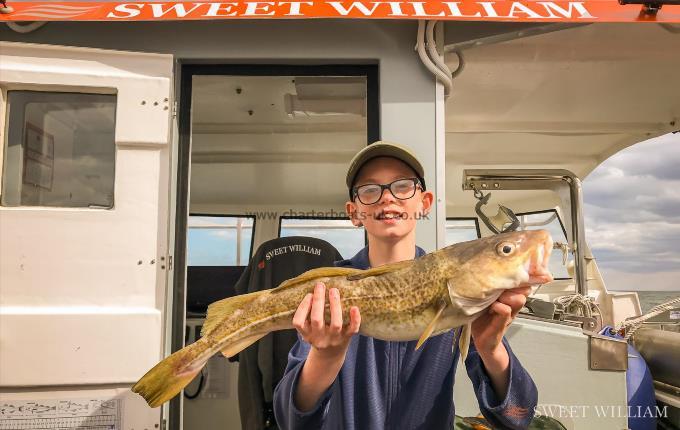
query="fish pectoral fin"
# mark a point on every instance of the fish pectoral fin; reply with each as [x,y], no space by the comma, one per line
[464,340]
[468,305]
[430,327]
[380,270]
[220,309]
[235,347]
[321,272]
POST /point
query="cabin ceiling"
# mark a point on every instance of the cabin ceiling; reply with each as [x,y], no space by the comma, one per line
[564,99]
[275,140]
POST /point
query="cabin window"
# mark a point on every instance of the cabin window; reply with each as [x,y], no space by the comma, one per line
[218,240]
[461,230]
[548,220]
[340,233]
[59,150]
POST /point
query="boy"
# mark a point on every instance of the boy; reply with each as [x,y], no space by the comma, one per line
[337,379]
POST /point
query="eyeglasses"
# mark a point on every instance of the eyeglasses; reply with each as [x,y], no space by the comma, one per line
[402,189]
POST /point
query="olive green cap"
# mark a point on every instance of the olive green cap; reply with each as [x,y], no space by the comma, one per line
[383,149]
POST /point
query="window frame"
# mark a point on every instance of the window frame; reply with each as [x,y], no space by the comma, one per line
[220,215]
[464,218]
[559,218]
[329,218]
[5,113]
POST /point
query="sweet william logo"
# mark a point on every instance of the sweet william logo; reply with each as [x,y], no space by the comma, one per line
[494,10]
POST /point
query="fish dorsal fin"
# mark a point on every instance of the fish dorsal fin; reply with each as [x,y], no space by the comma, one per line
[320,272]
[380,270]
[464,340]
[220,309]
[430,327]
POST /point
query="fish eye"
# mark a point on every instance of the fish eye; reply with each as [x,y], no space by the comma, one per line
[505,249]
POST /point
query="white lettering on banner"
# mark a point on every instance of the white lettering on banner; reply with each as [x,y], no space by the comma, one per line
[355,5]
[295,7]
[178,8]
[521,8]
[416,9]
[578,6]
[126,8]
[254,8]
[395,6]
[216,8]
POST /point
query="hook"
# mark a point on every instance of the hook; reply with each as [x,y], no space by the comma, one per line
[504,215]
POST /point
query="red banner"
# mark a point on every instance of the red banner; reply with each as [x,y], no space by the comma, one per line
[503,10]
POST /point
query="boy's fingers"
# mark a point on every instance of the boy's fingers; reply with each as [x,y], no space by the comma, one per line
[300,321]
[502,316]
[336,310]
[515,299]
[318,307]
[354,321]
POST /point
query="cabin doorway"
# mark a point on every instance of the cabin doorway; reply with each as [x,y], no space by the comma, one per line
[263,153]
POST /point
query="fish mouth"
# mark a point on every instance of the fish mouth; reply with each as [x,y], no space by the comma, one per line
[537,265]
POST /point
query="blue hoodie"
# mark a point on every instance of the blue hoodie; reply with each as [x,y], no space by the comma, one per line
[390,385]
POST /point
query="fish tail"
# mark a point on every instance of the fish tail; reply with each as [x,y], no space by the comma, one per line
[166,379]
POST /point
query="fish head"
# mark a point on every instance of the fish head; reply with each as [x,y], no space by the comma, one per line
[500,262]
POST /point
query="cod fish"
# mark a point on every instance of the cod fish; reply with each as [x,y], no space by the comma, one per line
[401,301]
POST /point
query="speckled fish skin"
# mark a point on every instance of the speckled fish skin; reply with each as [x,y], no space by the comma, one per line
[397,301]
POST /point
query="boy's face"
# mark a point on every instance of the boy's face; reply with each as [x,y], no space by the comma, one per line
[389,219]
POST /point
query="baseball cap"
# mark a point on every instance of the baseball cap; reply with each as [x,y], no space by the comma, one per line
[383,149]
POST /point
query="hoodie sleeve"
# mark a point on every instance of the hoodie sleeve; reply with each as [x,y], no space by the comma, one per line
[516,410]
[288,416]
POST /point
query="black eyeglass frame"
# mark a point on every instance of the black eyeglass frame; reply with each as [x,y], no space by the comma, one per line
[416,181]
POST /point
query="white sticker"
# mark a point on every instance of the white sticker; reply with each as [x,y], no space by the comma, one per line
[90,414]
[675,315]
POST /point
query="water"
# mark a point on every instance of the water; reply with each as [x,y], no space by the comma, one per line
[649,299]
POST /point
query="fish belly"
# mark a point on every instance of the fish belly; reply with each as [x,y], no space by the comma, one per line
[405,327]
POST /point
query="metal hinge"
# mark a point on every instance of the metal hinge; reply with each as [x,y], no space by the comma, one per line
[168,259]
[174,109]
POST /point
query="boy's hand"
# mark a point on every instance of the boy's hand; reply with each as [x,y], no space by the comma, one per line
[329,343]
[488,331]
[327,340]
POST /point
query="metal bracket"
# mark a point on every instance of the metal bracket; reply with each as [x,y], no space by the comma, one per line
[541,308]
[589,324]
[607,353]
[503,212]
[650,7]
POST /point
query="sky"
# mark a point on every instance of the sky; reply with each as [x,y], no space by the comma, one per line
[632,216]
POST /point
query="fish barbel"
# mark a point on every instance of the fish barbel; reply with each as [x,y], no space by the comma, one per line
[402,301]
